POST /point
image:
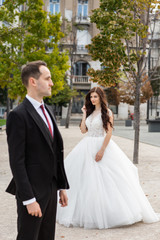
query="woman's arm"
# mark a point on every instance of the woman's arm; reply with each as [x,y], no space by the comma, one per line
[83,124]
[100,153]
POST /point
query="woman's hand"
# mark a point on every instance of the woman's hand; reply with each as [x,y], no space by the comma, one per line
[99,155]
[84,109]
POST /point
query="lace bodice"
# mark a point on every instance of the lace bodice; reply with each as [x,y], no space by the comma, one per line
[95,125]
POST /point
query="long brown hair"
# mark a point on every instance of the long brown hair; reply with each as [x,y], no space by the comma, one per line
[103,101]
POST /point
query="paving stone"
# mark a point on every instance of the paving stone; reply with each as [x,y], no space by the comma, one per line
[149,173]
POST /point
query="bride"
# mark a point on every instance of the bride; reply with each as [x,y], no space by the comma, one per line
[104,186]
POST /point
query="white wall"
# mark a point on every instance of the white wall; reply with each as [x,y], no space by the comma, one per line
[95,65]
[122,111]
[83,37]
[143,111]
[68,14]
[64,112]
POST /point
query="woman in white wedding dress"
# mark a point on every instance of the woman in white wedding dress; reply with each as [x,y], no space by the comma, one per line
[104,186]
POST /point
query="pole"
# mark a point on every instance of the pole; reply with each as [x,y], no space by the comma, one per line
[149,67]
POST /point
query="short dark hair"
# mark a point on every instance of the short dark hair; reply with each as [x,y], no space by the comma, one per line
[31,69]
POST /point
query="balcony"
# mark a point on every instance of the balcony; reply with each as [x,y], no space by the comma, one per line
[81,80]
[83,20]
[81,49]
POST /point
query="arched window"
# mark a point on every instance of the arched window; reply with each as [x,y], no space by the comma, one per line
[81,68]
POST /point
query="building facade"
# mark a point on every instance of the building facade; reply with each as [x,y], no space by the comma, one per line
[153,110]
[75,16]
[78,29]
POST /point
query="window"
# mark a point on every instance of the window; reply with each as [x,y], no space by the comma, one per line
[1,2]
[81,68]
[54,6]
[82,8]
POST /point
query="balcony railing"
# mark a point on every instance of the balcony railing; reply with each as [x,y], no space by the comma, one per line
[83,19]
[81,80]
[81,48]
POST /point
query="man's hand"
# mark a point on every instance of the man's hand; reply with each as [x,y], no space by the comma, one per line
[34,209]
[63,198]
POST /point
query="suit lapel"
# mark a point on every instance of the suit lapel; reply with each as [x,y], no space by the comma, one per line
[39,121]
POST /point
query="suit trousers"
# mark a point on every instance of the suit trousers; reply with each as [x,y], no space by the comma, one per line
[35,228]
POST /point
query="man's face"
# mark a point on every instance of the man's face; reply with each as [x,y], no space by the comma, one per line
[44,83]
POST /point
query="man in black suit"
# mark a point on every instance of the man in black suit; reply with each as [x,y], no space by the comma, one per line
[36,157]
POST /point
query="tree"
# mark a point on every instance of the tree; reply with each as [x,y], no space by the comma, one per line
[3,96]
[70,30]
[29,33]
[126,91]
[113,97]
[124,45]
[63,97]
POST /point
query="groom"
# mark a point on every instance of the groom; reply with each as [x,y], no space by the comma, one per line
[36,157]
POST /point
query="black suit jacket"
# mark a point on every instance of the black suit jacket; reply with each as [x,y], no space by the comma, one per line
[35,158]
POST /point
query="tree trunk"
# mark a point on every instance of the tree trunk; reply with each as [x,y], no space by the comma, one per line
[136,123]
[8,104]
[69,113]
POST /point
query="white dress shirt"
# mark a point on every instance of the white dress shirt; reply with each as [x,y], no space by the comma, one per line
[37,105]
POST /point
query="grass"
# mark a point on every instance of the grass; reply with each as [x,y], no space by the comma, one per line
[2,122]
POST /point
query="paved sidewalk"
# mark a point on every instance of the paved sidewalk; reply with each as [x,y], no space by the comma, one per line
[152,138]
[149,172]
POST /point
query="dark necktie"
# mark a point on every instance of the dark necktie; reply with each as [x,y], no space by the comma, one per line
[49,125]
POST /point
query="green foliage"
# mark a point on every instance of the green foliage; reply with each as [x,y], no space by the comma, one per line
[25,36]
[122,41]
[2,122]
[3,96]
[63,97]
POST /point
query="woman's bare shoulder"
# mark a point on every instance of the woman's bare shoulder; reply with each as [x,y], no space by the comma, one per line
[110,113]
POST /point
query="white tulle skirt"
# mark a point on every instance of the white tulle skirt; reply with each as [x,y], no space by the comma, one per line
[103,194]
